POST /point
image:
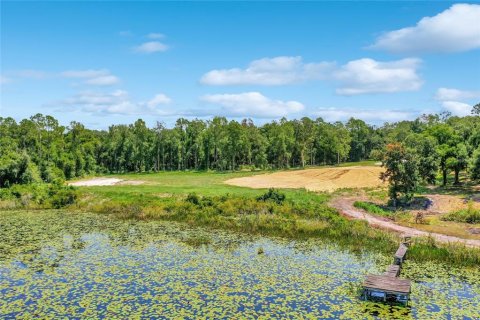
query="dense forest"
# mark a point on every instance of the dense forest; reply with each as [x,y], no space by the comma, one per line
[40,149]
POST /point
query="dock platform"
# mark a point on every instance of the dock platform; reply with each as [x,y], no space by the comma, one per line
[389,287]
[386,288]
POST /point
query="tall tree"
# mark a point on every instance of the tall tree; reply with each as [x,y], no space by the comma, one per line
[401,171]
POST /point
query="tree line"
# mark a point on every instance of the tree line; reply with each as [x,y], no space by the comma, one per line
[40,149]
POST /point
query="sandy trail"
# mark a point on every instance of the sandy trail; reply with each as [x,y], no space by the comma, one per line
[345,206]
[323,179]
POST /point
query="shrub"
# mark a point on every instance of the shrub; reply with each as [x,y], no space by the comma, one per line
[272,195]
[62,196]
[39,195]
[193,198]
[372,208]
[469,215]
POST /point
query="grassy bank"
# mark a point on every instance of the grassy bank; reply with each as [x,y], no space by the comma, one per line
[202,199]
[164,196]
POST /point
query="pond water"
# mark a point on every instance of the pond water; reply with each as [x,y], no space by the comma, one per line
[57,264]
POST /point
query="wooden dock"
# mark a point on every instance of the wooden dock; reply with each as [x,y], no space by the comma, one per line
[388,287]
[393,270]
[401,254]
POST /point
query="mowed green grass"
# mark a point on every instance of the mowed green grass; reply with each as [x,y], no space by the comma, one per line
[163,184]
[174,184]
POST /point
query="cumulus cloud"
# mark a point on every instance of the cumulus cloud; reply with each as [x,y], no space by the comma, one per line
[456,29]
[458,102]
[371,76]
[100,77]
[372,115]
[155,35]
[455,94]
[30,74]
[269,71]
[355,77]
[252,104]
[5,80]
[90,73]
[116,102]
[457,108]
[151,47]
[159,99]
[103,80]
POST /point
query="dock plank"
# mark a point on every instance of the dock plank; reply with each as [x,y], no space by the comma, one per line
[401,252]
[387,283]
[393,270]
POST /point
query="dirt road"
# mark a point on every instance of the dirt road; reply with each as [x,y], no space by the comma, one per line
[345,206]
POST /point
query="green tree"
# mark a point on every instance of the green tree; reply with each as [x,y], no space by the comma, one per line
[476,109]
[474,165]
[401,172]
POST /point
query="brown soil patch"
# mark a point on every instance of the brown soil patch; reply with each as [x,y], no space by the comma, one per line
[324,179]
[447,203]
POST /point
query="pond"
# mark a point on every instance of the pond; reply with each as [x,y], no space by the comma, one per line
[57,264]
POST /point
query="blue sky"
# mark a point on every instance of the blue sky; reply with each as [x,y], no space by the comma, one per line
[115,62]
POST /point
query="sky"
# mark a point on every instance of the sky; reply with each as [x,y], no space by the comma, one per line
[104,63]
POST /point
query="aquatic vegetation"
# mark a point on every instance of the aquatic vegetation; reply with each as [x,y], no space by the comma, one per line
[58,264]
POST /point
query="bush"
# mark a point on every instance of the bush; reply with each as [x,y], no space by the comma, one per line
[61,196]
[373,208]
[193,198]
[469,215]
[39,195]
[272,195]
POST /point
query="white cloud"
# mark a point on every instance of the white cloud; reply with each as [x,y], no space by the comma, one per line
[103,81]
[371,76]
[116,102]
[155,35]
[455,100]
[151,47]
[31,74]
[158,100]
[5,80]
[356,77]
[457,108]
[372,115]
[90,73]
[100,77]
[455,94]
[453,30]
[269,71]
[252,104]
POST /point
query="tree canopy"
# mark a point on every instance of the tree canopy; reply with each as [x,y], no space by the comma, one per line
[41,149]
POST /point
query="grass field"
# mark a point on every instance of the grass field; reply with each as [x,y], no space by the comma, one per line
[203,198]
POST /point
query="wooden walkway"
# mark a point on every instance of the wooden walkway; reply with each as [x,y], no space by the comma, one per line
[388,287]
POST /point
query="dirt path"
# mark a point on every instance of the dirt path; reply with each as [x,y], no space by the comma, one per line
[345,206]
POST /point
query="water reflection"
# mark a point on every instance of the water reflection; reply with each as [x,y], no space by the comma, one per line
[82,266]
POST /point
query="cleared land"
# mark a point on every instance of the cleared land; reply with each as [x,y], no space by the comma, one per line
[103,182]
[322,179]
